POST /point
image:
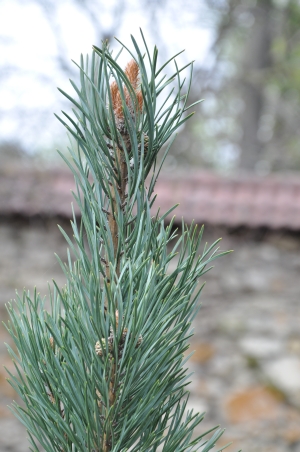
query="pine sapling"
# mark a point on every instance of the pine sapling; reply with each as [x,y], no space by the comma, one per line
[100,365]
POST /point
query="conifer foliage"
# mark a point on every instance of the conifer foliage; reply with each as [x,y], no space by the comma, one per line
[100,366]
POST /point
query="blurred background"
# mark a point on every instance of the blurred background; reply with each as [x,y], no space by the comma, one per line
[233,167]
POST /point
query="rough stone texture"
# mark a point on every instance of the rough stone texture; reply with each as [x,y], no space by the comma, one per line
[247,337]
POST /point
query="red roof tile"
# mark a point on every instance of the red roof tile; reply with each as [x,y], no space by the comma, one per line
[244,200]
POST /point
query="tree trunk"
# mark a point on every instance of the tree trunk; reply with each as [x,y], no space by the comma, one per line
[256,59]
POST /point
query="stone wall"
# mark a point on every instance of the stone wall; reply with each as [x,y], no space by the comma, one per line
[247,338]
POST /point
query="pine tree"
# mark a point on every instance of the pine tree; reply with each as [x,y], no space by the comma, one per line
[101,367]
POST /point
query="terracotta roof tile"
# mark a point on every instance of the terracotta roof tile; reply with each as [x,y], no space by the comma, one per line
[243,200]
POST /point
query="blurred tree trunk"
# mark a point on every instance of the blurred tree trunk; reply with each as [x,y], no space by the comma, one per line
[256,59]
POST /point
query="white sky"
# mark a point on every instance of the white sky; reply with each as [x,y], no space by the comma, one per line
[28,95]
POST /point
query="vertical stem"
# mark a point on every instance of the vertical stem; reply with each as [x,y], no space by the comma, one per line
[121,189]
[113,226]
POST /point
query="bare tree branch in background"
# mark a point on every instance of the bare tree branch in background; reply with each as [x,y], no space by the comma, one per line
[93,10]
[49,8]
[30,118]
